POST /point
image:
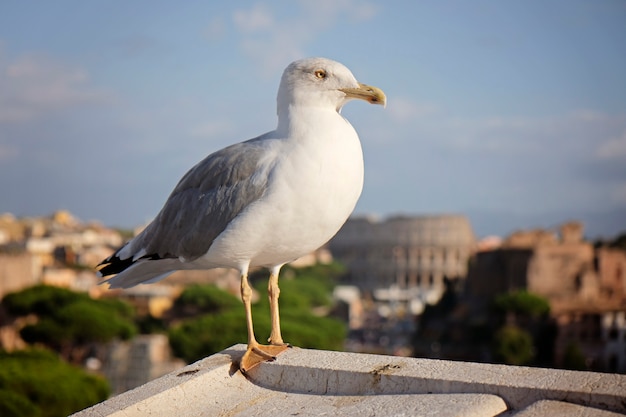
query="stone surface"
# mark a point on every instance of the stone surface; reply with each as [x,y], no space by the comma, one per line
[547,408]
[310,383]
[340,373]
[272,404]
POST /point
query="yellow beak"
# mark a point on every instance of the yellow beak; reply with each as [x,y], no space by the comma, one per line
[373,95]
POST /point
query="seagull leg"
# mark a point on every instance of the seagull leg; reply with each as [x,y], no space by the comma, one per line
[256,353]
[274,292]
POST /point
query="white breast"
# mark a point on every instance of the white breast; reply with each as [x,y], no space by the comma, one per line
[314,186]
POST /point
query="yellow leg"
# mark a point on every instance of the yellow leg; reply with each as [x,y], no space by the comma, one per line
[256,353]
[274,292]
[246,297]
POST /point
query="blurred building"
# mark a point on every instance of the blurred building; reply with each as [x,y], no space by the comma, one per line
[129,364]
[395,268]
[18,271]
[409,253]
[55,250]
[585,286]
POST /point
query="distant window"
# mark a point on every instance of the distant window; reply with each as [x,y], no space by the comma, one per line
[578,282]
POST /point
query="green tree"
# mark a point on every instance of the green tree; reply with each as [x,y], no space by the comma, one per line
[523,303]
[198,299]
[196,338]
[40,300]
[69,322]
[573,358]
[513,346]
[37,383]
[222,320]
[13,404]
[526,318]
[302,288]
[306,330]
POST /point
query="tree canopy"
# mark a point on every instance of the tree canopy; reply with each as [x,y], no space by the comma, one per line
[203,299]
[522,303]
[36,383]
[513,346]
[222,319]
[68,321]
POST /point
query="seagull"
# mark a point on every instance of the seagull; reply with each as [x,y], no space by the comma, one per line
[263,202]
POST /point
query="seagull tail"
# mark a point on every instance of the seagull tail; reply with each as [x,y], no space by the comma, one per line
[132,271]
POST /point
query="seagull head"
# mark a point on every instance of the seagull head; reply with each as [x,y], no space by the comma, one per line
[321,82]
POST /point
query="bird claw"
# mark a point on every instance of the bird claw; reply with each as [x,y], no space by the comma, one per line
[260,353]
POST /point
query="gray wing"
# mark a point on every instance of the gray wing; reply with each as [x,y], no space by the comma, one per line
[201,206]
[205,201]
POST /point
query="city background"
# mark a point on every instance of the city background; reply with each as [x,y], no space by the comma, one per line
[490,228]
[420,285]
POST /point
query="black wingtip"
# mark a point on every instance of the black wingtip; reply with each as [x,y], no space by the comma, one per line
[114,264]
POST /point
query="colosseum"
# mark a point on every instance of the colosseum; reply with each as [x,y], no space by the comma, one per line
[414,253]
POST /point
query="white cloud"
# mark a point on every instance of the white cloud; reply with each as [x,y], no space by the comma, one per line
[588,115]
[508,123]
[211,129]
[403,109]
[136,45]
[32,85]
[273,53]
[326,12]
[613,149]
[571,137]
[273,42]
[216,29]
[256,19]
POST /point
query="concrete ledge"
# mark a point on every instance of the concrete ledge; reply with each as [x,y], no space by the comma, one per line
[339,373]
[558,408]
[310,382]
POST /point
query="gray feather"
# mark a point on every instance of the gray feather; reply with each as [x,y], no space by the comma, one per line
[204,202]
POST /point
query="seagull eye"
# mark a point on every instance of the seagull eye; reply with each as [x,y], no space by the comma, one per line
[320,73]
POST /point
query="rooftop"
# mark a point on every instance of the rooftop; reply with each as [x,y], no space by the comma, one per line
[307,382]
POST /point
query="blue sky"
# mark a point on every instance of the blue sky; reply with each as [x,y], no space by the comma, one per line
[513,113]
